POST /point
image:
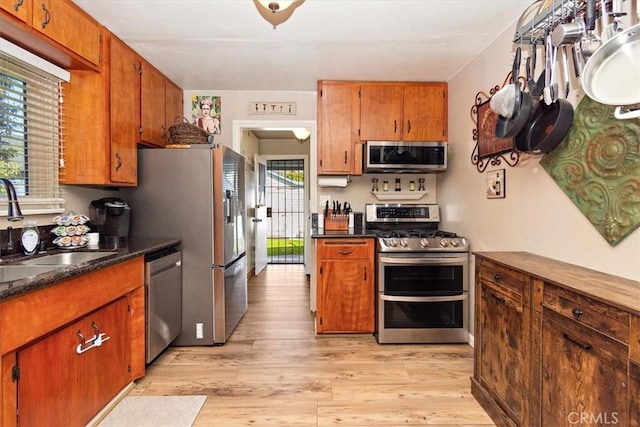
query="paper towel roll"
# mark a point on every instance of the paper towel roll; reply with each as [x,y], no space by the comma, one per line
[332,181]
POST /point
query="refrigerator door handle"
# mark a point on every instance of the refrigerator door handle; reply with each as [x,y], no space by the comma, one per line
[227,206]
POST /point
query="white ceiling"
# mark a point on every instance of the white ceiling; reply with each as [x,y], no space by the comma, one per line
[227,45]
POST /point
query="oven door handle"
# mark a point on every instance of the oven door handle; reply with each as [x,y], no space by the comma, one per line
[395,298]
[423,260]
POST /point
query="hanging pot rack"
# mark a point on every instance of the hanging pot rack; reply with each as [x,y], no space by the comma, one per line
[551,13]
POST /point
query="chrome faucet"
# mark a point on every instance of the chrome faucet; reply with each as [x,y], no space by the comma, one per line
[13,208]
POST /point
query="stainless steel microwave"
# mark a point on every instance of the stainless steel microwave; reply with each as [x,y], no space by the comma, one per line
[397,156]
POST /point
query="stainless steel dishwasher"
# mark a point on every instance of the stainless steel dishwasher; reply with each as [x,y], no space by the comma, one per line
[163,308]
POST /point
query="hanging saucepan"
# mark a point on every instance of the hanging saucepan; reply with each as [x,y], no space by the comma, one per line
[509,127]
[610,75]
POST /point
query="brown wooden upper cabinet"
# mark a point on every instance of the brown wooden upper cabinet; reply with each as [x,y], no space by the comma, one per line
[60,21]
[103,110]
[339,148]
[110,112]
[152,104]
[403,111]
[19,9]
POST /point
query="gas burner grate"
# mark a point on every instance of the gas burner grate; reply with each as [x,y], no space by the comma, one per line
[398,234]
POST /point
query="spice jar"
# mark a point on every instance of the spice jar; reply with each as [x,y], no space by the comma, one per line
[412,186]
[385,185]
[398,187]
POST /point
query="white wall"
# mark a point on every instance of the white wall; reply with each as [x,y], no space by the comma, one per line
[535,216]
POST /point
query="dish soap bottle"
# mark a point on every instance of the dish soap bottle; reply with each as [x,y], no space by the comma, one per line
[30,238]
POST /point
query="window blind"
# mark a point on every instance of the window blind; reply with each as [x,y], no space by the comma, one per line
[31,129]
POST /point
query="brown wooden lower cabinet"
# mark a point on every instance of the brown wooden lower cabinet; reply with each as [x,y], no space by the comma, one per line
[65,382]
[554,343]
[346,302]
[54,372]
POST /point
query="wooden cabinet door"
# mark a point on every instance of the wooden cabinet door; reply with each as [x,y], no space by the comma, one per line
[174,108]
[502,365]
[66,24]
[108,365]
[347,296]
[425,112]
[581,377]
[152,105]
[59,386]
[21,9]
[337,136]
[381,112]
[124,112]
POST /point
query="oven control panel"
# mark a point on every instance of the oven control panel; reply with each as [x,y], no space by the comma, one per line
[402,213]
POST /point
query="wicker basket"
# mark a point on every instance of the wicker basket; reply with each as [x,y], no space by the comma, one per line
[183,132]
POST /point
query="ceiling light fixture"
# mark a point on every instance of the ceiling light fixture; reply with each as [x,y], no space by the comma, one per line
[302,134]
[276,12]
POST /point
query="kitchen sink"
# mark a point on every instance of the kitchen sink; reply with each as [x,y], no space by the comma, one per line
[65,258]
[9,273]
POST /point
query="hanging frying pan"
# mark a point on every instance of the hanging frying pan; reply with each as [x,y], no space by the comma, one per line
[509,127]
[610,75]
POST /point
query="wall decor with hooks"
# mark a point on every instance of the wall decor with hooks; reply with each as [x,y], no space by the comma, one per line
[489,149]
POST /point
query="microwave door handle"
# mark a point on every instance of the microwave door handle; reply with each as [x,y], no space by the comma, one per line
[394,298]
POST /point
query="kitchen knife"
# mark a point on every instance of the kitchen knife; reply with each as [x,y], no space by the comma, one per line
[326,208]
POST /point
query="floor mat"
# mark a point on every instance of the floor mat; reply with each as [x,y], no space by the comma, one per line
[154,411]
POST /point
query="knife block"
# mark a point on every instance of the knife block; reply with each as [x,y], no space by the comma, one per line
[336,222]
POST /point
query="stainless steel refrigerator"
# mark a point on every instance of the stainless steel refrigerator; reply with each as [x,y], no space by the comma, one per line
[197,195]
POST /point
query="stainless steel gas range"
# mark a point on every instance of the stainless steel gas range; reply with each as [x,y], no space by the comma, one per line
[422,279]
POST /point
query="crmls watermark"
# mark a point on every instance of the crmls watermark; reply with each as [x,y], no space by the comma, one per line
[600,418]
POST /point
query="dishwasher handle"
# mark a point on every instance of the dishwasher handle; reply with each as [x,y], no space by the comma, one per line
[159,264]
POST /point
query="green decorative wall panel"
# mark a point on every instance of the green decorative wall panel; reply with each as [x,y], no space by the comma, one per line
[597,166]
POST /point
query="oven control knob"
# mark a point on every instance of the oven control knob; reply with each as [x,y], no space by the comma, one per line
[424,242]
[392,242]
[444,243]
[455,243]
[404,243]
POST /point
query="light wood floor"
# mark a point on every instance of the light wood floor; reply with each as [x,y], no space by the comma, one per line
[274,371]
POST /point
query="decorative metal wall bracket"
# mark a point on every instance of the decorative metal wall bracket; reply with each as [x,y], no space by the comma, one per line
[489,149]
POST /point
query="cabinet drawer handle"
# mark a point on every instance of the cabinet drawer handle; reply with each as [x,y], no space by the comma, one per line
[118,161]
[408,126]
[17,5]
[365,274]
[577,312]
[345,252]
[345,157]
[47,16]
[497,277]
[578,343]
[395,126]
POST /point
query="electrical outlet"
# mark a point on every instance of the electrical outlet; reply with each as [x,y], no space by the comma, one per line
[324,198]
[199,331]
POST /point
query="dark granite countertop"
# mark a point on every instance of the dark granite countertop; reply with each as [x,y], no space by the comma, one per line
[122,252]
[320,233]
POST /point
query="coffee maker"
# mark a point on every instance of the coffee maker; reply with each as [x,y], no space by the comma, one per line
[110,216]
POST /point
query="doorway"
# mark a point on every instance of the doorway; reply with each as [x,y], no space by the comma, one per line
[246,142]
[285,196]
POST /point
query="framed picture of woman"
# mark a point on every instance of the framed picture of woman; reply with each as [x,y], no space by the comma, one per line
[206,113]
